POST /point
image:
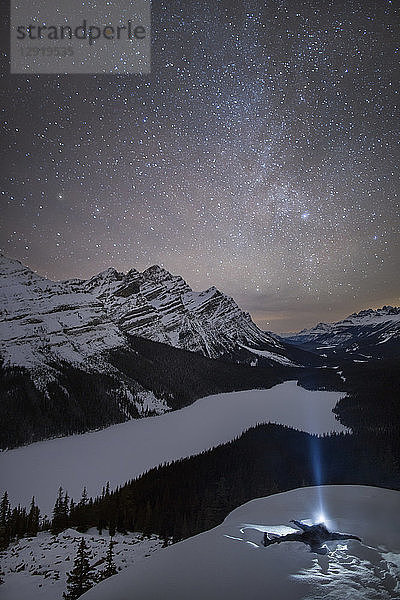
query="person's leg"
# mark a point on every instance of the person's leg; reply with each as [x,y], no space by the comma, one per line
[270,539]
[290,537]
[343,536]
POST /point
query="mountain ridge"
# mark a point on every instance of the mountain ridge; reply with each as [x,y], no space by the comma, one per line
[79,318]
[369,333]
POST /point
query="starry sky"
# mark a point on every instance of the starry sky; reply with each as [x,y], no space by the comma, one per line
[260,155]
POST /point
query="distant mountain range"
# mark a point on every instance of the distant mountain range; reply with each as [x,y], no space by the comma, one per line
[360,337]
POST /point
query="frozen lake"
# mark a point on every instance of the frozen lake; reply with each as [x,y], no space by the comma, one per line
[122,452]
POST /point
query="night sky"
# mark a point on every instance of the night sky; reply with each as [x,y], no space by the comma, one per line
[258,156]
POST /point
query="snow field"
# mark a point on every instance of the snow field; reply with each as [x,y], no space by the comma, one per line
[229,561]
[35,568]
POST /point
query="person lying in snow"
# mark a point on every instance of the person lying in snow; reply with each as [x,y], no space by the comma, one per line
[312,535]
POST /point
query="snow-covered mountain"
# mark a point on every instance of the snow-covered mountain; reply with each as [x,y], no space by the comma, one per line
[230,561]
[361,336]
[55,333]
[43,321]
[162,307]
[76,355]
[76,321]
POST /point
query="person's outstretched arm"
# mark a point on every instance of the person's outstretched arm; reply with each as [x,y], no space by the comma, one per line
[344,536]
[302,526]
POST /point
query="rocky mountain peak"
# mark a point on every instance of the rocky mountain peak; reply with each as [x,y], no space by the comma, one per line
[159,274]
[100,311]
[379,312]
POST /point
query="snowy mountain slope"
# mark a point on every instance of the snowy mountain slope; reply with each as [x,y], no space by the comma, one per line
[35,568]
[122,452]
[162,307]
[43,321]
[56,374]
[363,335]
[77,321]
[230,561]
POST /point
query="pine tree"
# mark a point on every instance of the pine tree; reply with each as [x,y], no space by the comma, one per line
[4,537]
[65,507]
[84,498]
[106,490]
[111,529]
[45,524]
[33,519]
[110,568]
[4,509]
[18,522]
[4,522]
[80,513]
[60,513]
[81,578]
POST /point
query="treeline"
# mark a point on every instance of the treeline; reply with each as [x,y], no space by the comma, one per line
[372,401]
[183,377]
[17,522]
[186,497]
[77,401]
[320,379]
[192,495]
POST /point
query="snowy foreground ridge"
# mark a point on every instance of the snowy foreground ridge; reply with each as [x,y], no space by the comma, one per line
[229,562]
[126,450]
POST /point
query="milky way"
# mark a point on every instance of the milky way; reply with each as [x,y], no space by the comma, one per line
[258,156]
